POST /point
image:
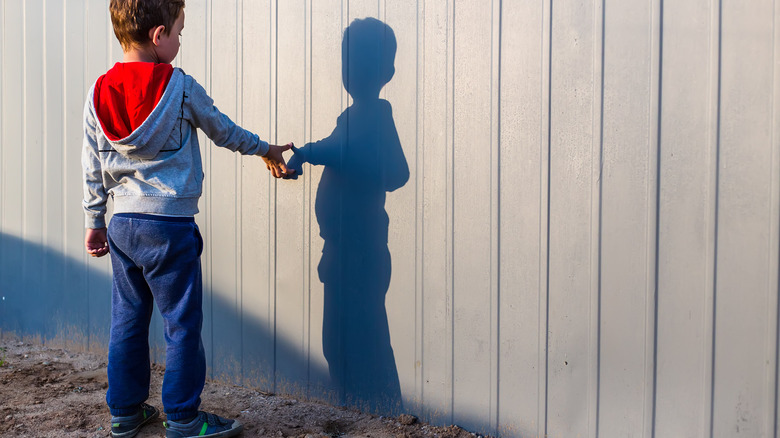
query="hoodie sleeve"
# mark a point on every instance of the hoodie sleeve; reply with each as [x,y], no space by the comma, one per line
[95,195]
[217,126]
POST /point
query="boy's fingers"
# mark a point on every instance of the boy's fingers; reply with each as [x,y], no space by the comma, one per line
[100,252]
[286,147]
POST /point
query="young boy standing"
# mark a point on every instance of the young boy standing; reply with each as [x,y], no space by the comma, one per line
[141,149]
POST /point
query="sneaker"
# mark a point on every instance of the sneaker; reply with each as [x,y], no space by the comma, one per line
[205,425]
[126,427]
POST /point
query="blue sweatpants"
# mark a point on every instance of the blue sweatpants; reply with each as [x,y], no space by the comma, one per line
[155,259]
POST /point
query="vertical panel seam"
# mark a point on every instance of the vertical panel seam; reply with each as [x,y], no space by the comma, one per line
[451,200]
[23,113]
[84,257]
[274,105]
[497,220]
[420,207]
[209,214]
[773,258]
[657,243]
[305,309]
[306,222]
[718,21]
[599,219]
[545,191]
[44,141]
[238,178]
[63,188]
[3,39]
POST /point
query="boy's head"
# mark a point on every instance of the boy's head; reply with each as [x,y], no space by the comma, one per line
[138,22]
[367,57]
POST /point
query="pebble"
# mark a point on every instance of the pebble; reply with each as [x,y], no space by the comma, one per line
[9,417]
[407,419]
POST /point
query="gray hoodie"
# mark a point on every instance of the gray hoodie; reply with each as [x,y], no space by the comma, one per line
[157,169]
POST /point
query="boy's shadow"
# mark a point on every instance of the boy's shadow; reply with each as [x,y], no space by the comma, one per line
[363,160]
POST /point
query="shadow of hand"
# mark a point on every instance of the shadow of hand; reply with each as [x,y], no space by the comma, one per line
[296,163]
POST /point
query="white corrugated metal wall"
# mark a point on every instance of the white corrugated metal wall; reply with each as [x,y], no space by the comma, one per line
[587,245]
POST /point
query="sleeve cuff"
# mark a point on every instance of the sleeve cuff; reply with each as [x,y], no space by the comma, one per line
[95,222]
[263,148]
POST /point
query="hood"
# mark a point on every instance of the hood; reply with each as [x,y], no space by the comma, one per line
[137,105]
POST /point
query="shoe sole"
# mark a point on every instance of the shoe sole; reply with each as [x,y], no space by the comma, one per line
[235,430]
[134,432]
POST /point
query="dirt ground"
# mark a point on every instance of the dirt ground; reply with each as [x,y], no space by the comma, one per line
[49,392]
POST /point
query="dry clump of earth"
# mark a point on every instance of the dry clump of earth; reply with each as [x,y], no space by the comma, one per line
[50,392]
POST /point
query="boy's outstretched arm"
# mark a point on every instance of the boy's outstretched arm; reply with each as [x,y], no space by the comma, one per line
[96,242]
[274,161]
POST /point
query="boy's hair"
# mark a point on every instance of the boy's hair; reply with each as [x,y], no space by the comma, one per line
[132,19]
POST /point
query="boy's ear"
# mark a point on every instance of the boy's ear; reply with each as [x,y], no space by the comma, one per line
[155,33]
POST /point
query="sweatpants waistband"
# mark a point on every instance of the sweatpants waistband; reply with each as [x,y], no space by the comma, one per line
[154,217]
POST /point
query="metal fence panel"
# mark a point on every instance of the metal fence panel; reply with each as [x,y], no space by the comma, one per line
[564,222]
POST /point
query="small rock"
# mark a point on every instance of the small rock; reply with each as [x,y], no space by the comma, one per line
[9,417]
[407,420]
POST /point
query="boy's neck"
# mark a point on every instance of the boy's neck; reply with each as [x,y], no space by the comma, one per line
[140,54]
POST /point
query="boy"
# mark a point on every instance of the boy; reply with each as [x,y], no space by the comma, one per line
[141,148]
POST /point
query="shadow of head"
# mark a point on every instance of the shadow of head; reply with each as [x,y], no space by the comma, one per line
[367,57]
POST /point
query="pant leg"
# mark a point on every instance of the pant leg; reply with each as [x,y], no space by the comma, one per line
[173,271]
[131,311]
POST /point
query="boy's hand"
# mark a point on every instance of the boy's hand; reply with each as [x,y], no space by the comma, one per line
[274,161]
[96,242]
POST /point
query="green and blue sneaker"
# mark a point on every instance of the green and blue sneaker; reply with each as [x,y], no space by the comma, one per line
[127,427]
[205,425]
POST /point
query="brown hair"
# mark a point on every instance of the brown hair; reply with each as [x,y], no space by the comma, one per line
[132,19]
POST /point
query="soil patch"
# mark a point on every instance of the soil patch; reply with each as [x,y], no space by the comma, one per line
[50,392]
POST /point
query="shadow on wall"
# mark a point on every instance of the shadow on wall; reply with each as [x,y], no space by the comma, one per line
[65,301]
[52,297]
[363,160]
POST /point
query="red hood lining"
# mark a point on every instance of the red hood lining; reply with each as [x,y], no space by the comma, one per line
[127,94]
